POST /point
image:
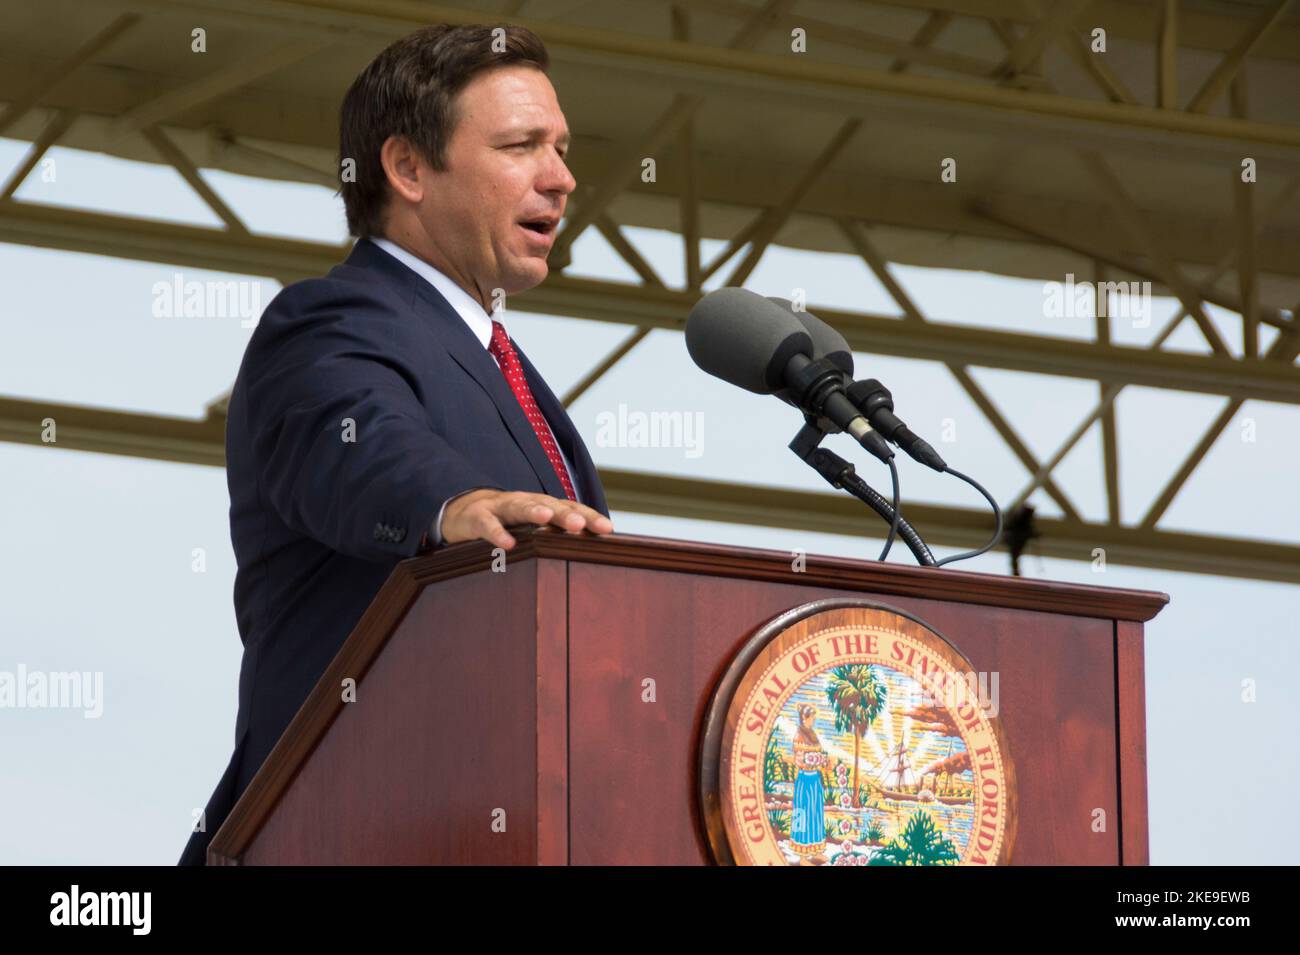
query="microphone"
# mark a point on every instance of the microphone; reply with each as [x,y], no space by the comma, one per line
[870,397]
[875,401]
[742,338]
[827,342]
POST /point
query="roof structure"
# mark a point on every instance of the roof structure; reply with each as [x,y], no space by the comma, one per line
[1113,140]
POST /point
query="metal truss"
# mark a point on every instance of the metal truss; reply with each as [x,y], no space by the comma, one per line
[187,126]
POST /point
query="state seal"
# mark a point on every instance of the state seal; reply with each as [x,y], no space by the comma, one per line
[850,733]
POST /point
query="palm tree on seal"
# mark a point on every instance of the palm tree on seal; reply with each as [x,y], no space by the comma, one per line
[856,697]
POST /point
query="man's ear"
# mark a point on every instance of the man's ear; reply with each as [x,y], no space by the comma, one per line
[404,168]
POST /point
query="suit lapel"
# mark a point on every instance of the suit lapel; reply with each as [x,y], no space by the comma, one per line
[468,352]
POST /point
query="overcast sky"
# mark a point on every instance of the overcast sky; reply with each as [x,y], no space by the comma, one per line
[98,571]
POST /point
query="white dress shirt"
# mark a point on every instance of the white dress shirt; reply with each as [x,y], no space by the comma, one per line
[479,322]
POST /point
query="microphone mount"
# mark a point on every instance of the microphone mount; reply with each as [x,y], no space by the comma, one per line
[816,386]
[840,474]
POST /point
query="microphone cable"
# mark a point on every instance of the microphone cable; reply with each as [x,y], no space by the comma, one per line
[868,495]
[997,517]
[898,514]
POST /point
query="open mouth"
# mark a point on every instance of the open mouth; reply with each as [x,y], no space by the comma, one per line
[541,227]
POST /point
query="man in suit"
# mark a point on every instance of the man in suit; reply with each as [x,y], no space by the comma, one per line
[383,410]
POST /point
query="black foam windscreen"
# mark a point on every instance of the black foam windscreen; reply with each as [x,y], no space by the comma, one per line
[741,337]
[827,342]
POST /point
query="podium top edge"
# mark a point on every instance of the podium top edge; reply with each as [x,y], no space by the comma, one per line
[694,557]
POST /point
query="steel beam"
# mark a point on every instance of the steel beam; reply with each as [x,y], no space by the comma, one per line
[1201,27]
[706,71]
[59,72]
[58,125]
[209,87]
[947,526]
[76,428]
[128,238]
[202,442]
[1233,60]
[742,182]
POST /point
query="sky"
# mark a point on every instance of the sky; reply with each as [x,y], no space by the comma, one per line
[123,566]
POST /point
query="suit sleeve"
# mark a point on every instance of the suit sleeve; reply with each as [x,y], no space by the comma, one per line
[344,449]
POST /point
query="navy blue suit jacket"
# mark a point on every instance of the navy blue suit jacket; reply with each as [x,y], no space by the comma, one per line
[363,402]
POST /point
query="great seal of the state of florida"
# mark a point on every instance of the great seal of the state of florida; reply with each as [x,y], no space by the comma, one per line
[848,733]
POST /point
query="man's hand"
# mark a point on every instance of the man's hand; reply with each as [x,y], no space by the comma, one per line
[485,514]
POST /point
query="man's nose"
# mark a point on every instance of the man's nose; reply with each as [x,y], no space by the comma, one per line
[556,177]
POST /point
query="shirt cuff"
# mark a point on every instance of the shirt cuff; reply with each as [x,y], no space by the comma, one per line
[435,532]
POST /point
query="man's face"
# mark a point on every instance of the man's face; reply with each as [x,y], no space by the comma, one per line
[505,168]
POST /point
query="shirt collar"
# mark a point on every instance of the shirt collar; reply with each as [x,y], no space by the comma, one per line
[466,306]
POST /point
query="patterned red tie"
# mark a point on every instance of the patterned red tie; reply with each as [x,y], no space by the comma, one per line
[504,353]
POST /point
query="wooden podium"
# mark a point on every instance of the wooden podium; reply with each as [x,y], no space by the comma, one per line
[499,716]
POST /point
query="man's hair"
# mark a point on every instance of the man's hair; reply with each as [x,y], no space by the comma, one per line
[410,90]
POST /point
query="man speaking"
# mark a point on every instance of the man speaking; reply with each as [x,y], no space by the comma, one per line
[383,409]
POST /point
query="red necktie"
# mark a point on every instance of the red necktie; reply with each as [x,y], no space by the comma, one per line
[504,353]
